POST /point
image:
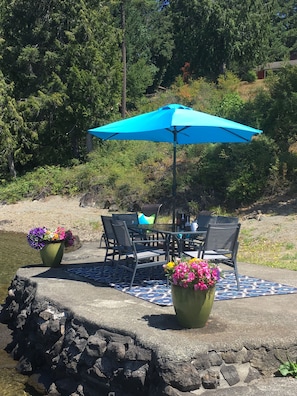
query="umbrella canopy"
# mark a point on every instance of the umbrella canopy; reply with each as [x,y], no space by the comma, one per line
[176,124]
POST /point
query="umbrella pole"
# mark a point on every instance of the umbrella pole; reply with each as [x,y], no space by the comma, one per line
[174,180]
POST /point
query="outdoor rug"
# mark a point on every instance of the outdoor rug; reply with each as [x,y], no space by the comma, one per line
[157,291]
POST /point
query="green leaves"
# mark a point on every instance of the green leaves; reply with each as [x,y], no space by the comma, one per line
[288,369]
[64,60]
[213,35]
[281,120]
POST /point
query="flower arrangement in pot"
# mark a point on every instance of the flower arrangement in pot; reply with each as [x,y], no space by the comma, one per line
[50,243]
[193,284]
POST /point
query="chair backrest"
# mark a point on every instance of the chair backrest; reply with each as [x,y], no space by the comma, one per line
[222,238]
[204,220]
[124,241]
[226,220]
[108,229]
[128,218]
[151,209]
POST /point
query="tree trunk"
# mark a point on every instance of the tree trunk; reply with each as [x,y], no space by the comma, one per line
[12,170]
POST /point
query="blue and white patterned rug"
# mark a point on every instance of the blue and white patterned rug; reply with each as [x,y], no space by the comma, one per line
[156,290]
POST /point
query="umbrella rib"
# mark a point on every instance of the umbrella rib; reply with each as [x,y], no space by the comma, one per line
[236,134]
[111,136]
[176,131]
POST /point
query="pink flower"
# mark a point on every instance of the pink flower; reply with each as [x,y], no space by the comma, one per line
[193,273]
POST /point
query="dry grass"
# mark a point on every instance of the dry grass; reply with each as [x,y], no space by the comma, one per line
[271,241]
[248,91]
[267,250]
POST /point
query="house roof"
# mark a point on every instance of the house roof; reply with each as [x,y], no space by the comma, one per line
[277,65]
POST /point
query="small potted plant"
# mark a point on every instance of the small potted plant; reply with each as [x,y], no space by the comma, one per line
[193,284]
[50,243]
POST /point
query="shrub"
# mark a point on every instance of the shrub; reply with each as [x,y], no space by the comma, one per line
[250,76]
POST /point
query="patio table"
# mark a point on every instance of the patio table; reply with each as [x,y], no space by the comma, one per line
[175,238]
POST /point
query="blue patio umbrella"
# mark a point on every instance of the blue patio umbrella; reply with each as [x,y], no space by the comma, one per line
[176,124]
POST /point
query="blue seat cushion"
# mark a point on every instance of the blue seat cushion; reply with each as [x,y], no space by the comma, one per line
[142,219]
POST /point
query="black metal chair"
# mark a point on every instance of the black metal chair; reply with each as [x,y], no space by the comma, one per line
[220,245]
[147,211]
[204,220]
[131,219]
[109,239]
[134,255]
[128,218]
[151,210]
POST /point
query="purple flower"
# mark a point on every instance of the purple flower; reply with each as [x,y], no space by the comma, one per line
[38,237]
[35,238]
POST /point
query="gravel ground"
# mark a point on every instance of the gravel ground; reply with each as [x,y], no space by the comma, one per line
[52,212]
[277,222]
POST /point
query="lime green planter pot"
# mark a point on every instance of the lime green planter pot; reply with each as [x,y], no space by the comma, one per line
[192,307]
[52,254]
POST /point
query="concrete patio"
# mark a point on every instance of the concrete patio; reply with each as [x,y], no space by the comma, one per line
[263,324]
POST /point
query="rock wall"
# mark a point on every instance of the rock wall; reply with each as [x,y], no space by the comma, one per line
[67,356]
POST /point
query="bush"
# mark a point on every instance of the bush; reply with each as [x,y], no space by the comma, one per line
[250,76]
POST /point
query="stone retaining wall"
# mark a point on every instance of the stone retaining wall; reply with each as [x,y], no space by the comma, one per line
[73,357]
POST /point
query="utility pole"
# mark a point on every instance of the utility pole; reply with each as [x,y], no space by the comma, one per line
[124,59]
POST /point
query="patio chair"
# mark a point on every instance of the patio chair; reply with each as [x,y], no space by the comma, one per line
[134,255]
[151,211]
[128,218]
[220,245]
[149,215]
[109,239]
[131,219]
[204,220]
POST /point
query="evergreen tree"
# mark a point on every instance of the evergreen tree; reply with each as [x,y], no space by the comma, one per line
[148,43]
[212,35]
[243,31]
[13,144]
[280,122]
[284,27]
[64,60]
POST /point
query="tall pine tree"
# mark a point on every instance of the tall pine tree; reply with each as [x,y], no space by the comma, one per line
[64,60]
